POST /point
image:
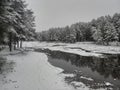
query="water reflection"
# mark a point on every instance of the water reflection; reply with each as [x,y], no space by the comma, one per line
[101,70]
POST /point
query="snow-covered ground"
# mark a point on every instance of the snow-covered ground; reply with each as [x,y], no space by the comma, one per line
[60,47]
[32,71]
[97,48]
[6,51]
[80,48]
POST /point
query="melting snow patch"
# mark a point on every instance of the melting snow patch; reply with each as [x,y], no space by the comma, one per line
[79,85]
[108,84]
[90,79]
[68,75]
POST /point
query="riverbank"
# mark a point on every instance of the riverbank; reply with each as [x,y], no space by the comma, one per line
[92,47]
[94,72]
[80,48]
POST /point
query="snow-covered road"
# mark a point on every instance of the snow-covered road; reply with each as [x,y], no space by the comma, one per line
[32,71]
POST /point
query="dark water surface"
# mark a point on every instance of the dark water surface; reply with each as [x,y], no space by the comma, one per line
[100,70]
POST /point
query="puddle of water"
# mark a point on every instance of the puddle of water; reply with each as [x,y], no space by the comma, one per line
[94,72]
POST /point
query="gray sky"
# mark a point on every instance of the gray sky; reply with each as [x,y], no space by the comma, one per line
[59,13]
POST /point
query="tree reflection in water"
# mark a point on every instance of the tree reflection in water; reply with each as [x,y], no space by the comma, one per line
[102,70]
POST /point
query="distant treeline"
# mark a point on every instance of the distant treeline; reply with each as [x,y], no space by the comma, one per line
[102,30]
[16,22]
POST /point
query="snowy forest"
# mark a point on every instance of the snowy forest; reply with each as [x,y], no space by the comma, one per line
[16,23]
[37,54]
[102,30]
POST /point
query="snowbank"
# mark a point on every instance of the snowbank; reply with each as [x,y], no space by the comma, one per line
[96,48]
[74,51]
[81,48]
[59,47]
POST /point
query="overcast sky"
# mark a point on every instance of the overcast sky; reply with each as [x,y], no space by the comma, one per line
[59,13]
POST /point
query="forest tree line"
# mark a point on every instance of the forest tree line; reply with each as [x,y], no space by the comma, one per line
[16,23]
[102,30]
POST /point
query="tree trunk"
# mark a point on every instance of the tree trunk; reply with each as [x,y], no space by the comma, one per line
[20,43]
[10,47]
[10,42]
[15,46]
